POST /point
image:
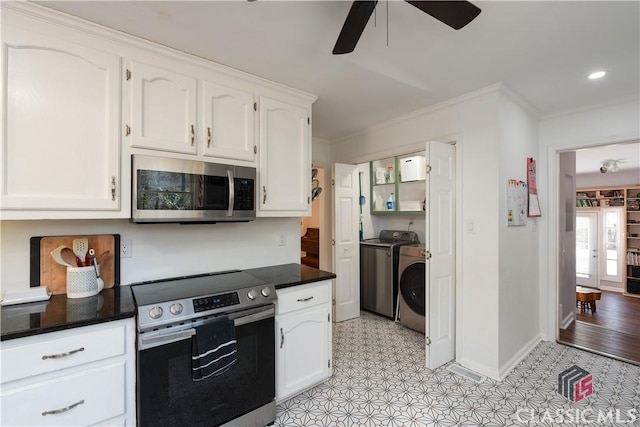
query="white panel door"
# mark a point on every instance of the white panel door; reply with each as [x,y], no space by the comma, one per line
[440,269]
[163,109]
[60,146]
[228,122]
[587,249]
[346,247]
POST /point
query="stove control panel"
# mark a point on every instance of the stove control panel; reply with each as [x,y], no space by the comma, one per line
[215,301]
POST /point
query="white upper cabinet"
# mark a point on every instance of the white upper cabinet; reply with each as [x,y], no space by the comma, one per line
[285,159]
[60,148]
[228,122]
[163,109]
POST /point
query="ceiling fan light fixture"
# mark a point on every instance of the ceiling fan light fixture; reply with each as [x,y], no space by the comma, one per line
[597,75]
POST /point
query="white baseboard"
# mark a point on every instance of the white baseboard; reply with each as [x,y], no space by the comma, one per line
[481,369]
[612,289]
[567,321]
[517,358]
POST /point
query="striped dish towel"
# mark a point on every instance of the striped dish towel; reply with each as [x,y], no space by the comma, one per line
[213,348]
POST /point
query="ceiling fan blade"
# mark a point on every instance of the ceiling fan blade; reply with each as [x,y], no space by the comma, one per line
[455,14]
[353,27]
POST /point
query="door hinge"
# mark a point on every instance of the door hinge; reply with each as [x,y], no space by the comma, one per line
[333,182]
[127,130]
[128,73]
[333,301]
[426,254]
[427,340]
[428,168]
[333,242]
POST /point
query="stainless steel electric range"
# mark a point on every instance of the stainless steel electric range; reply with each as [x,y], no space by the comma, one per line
[206,351]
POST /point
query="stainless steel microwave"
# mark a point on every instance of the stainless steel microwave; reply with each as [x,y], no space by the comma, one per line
[187,191]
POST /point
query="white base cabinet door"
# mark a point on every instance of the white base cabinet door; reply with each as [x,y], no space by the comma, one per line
[285,160]
[303,331]
[60,148]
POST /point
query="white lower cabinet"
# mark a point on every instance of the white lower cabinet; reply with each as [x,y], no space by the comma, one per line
[303,324]
[77,377]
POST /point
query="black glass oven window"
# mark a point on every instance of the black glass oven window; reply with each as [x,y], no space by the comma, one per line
[167,396]
[158,190]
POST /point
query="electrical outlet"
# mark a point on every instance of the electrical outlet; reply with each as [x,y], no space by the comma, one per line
[125,248]
[282,240]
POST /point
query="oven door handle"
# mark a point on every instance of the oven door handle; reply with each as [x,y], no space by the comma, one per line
[265,314]
[147,342]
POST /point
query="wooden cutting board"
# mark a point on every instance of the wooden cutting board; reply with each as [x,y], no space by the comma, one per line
[45,271]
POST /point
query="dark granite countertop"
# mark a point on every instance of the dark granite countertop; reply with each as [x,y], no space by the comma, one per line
[60,312]
[286,275]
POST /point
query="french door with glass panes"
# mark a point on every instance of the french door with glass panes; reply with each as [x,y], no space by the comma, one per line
[599,246]
[587,249]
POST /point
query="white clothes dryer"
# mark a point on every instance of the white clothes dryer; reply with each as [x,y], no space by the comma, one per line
[412,286]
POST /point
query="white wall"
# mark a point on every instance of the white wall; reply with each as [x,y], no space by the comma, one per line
[618,179]
[599,126]
[160,250]
[472,122]
[518,308]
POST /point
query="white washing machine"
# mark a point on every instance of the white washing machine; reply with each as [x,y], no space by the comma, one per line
[412,286]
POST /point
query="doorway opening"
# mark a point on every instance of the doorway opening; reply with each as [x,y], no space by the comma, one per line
[312,227]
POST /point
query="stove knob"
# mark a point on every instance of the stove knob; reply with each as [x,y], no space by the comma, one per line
[155,312]
[252,294]
[265,292]
[176,308]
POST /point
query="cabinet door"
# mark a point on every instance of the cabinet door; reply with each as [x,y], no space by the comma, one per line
[60,148]
[303,350]
[285,160]
[228,122]
[163,109]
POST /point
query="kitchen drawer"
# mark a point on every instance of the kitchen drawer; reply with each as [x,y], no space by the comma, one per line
[303,296]
[100,390]
[26,357]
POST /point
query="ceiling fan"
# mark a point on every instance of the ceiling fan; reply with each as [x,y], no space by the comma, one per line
[610,165]
[455,14]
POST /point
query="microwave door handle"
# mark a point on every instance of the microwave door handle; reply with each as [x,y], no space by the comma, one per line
[232,195]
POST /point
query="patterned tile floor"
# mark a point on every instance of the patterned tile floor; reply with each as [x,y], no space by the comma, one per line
[379,380]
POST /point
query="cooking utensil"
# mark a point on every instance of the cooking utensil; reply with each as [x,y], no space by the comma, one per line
[69,257]
[96,269]
[56,254]
[102,257]
[80,248]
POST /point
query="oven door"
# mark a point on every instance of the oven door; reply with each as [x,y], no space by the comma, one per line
[168,396]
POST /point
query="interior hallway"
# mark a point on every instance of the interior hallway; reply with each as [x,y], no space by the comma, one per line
[614,329]
[380,380]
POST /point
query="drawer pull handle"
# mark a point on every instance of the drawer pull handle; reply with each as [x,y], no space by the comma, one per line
[281,337]
[61,410]
[57,356]
[305,299]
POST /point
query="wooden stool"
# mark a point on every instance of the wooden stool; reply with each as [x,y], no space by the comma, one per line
[586,298]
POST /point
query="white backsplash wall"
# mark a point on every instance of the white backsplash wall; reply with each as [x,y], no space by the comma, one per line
[160,250]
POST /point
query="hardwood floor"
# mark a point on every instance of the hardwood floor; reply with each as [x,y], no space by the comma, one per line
[613,330]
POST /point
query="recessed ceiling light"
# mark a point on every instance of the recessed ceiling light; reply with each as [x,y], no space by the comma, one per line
[597,75]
